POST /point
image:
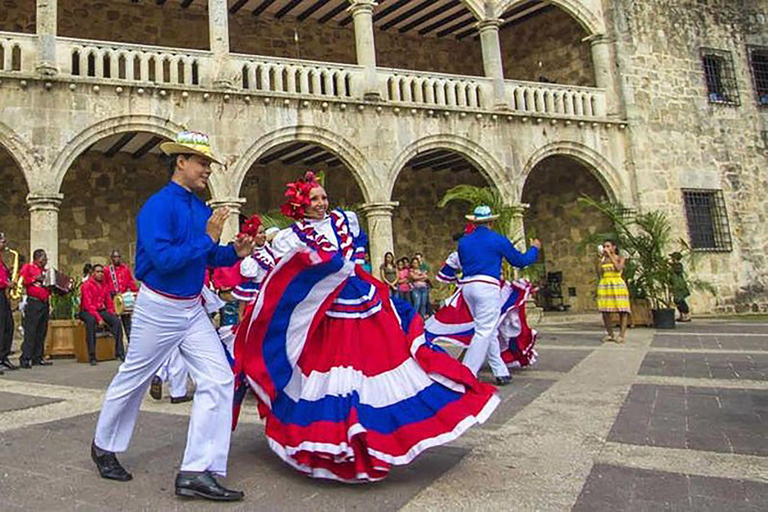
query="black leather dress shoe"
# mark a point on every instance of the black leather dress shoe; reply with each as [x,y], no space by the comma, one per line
[156,388]
[93,361]
[43,362]
[25,363]
[108,465]
[503,381]
[8,365]
[204,485]
[181,399]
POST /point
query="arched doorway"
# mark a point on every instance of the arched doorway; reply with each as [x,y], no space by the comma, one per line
[103,190]
[418,224]
[14,211]
[264,183]
[552,190]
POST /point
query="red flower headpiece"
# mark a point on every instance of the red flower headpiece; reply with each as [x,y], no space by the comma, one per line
[297,196]
[251,226]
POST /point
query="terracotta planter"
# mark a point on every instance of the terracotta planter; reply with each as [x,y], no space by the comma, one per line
[62,337]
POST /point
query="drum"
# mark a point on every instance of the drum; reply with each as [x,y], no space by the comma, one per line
[129,299]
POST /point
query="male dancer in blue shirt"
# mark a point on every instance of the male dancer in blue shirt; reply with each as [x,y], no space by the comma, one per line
[178,238]
[480,256]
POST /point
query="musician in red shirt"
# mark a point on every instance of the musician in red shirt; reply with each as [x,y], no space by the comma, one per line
[6,317]
[97,310]
[36,314]
[120,280]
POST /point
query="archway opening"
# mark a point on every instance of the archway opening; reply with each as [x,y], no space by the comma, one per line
[264,183]
[564,224]
[103,190]
[14,212]
[541,42]
[418,224]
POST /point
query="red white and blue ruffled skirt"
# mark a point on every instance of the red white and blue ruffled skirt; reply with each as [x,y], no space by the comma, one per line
[346,381]
[453,324]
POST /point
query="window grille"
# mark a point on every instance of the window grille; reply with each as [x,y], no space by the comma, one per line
[720,77]
[707,220]
[758,61]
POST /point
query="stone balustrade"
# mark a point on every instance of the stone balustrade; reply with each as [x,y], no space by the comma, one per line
[291,76]
[17,52]
[141,64]
[555,100]
[434,89]
[133,63]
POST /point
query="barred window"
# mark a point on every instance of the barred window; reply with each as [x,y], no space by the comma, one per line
[720,77]
[707,220]
[758,61]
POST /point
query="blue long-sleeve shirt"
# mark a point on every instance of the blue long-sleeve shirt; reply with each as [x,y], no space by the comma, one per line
[482,251]
[173,249]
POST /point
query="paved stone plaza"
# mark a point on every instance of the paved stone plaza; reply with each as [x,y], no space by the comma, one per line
[671,421]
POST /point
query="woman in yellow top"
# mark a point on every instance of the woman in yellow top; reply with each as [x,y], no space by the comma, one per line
[612,291]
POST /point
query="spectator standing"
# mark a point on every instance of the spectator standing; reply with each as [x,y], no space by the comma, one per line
[36,312]
[420,288]
[404,280]
[388,272]
[680,290]
[612,291]
[119,280]
[97,310]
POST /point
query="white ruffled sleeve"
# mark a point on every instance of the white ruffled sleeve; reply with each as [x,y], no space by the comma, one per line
[354,223]
[285,241]
[249,268]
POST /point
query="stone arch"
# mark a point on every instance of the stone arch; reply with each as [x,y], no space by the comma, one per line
[612,181]
[485,162]
[591,21]
[120,124]
[351,156]
[21,153]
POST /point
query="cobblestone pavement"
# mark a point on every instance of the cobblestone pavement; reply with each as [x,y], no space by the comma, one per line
[674,420]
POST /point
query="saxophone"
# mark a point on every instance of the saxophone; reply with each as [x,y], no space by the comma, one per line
[16,285]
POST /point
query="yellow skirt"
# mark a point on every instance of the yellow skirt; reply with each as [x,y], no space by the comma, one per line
[612,294]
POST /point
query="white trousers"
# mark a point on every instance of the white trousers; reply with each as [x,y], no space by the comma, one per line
[484,301]
[160,326]
[174,372]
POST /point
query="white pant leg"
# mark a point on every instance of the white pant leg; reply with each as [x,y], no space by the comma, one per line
[177,375]
[210,425]
[159,326]
[484,302]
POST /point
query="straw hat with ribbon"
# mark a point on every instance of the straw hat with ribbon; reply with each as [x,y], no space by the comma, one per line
[190,143]
[482,213]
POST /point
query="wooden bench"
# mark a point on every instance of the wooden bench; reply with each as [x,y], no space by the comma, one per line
[105,347]
[66,338]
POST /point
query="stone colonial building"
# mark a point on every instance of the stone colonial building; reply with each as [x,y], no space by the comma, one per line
[659,104]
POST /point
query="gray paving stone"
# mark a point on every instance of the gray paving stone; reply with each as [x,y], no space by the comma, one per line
[708,342]
[61,473]
[719,420]
[17,402]
[515,397]
[565,338]
[706,366]
[557,360]
[610,488]
[68,372]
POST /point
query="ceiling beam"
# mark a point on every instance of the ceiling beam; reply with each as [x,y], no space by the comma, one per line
[320,158]
[440,23]
[287,8]
[237,6]
[281,152]
[312,9]
[431,14]
[453,28]
[262,7]
[334,12]
[147,147]
[461,163]
[407,14]
[333,163]
[389,10]
[451,157]
[303,155]
[120,144]
[429,155]
[466,33]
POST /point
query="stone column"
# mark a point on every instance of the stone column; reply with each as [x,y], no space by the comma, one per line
[218,32]
[232,225]
[380,237]
[44,225]
[46,38]
[492,63]
[517,226]
[362,13]
[605,71]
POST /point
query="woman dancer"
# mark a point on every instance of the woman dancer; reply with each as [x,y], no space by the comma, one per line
[612,291]
[347,383]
